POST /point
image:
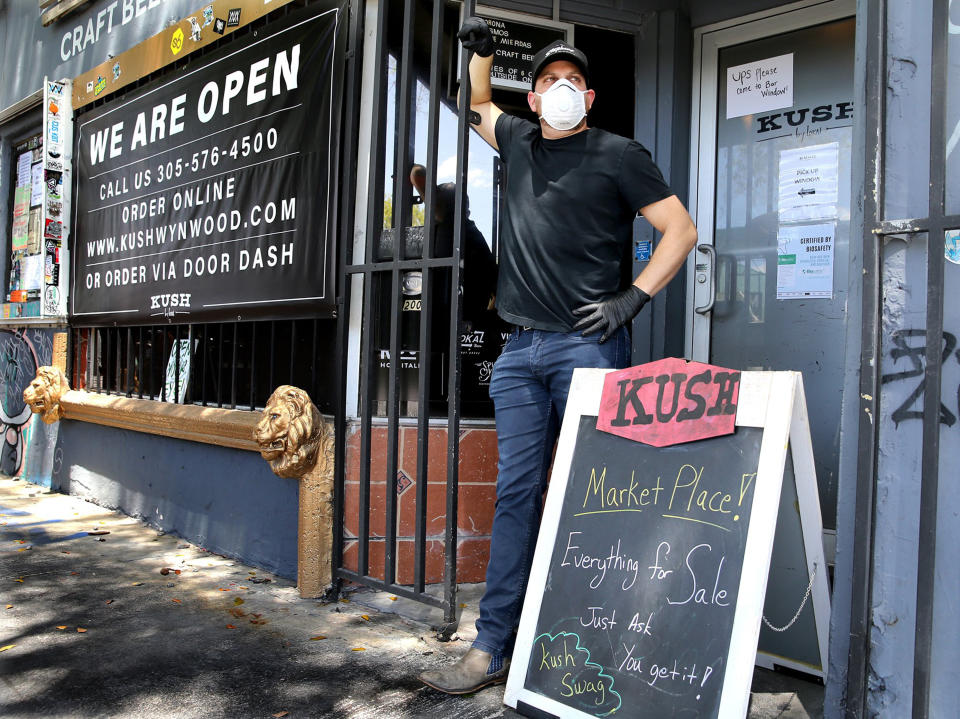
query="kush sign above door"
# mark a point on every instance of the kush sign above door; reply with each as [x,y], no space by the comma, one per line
[209,194]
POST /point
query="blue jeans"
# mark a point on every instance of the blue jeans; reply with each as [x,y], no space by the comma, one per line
[529,387]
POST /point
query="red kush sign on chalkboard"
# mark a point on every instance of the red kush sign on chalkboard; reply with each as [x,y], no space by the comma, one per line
[669,402]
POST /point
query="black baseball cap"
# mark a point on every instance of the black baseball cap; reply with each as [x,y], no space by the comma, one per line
[559,50]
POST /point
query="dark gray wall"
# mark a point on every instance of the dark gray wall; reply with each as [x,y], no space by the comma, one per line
[224,500]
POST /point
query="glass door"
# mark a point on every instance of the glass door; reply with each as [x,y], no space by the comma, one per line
[773,199]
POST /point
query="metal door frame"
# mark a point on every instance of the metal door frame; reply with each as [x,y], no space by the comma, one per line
[707,42]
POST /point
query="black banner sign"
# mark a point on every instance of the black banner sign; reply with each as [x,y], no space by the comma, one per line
[209,195]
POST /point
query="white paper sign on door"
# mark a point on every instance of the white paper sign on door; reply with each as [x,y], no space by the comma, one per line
[805,261]
[760,86]
[809,182]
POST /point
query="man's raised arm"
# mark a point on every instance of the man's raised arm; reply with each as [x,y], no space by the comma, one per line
[475,35]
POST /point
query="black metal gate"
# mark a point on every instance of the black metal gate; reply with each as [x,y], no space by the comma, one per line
[374,276]
[927,233]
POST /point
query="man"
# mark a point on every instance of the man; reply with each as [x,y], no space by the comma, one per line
[479,275]
[572,193]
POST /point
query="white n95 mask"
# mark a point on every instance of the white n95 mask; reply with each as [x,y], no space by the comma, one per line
[562,106]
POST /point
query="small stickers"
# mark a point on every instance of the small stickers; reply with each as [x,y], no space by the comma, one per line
[194,29]
[53,180]
[207,15]
[233,17]
[643,251]
[51,300]
[100,85]
[176,42]
[116,71]
[219,25]
[951,248]
[53,230]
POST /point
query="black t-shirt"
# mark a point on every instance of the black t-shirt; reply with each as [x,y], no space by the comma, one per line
[567,224]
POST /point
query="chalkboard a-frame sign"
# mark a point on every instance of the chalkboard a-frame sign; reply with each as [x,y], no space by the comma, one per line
[651,567]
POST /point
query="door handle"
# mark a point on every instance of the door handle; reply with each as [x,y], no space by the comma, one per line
[711,252]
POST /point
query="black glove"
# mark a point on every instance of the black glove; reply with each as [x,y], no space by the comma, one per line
[475,35]
[610,315]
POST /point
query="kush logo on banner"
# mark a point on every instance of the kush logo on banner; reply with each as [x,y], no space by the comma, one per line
[669,402]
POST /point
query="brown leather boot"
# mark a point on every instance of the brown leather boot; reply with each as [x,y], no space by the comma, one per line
[466,675]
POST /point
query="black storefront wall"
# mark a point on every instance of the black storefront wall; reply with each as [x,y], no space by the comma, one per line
[209,194]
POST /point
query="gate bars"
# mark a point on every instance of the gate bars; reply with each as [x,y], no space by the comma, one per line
[378,273]
[875,229]
[233,365]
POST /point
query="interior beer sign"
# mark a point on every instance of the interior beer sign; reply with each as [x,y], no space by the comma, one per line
[669,402]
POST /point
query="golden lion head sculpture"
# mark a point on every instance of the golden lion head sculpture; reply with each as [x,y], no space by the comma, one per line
[290,432]
[43,394]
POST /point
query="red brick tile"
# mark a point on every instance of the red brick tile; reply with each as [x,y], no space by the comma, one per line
[377,511]
[406,551]
[374,557]
[475,513]
[478,456]
[436,454]
[478,459]
[472,558]
[378,455]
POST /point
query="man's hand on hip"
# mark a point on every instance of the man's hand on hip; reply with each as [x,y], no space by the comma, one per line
[475,35]
[612,314]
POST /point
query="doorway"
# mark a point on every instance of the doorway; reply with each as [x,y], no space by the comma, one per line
[772,130]
[771,196]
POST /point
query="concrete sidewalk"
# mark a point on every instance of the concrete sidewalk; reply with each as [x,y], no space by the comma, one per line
[101,616]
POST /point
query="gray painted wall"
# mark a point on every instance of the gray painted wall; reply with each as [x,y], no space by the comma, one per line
[945,683]
[28,51]
[903,324]
[664,58]
[224,500]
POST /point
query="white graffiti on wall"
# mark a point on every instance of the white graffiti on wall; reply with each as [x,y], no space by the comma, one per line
[21,352]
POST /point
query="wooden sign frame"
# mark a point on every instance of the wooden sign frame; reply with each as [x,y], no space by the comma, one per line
[773,401]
